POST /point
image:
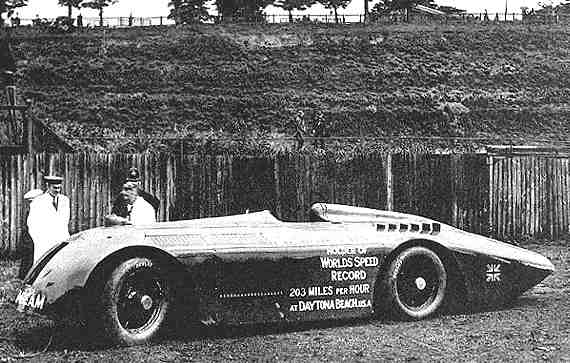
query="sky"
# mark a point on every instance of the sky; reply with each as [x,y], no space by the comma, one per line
[151,8]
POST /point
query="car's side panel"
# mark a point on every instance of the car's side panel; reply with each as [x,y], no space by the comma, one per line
[493,281]
[334,282]
[71,267]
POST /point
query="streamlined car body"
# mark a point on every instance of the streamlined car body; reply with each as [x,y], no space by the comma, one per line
[350,262]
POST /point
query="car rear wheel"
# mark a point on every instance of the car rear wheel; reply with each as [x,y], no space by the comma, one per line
[416,283]
[135,302]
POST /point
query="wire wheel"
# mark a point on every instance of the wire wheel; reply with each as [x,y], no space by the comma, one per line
[141,299]
[417,281]
[135,302]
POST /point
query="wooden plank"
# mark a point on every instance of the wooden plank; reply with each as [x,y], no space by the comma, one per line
[505,185]
[499,198]
[535,196]
[202,186]
[516,197]
[552,178]
[4,222]
[521,197]
[526,197]
[565,196]
[102,188]
[83,197]
[544,194]
[551,175]
[18,196]
[502,204]
[454,186]
[154,170]
[509,196]
[491,195]
[98,175]
[67,186]
[170,195]
[555,198]
[4,207]
[539,196]
[550,192]
[560,204]
[161,187]
[13,198]
[92,192]
[110,172]
[559,218]
[2,200]
[73,193]
[389,182]
[530,199]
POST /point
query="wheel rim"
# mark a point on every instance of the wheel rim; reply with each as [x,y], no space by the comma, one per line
[140,300]
[418,282]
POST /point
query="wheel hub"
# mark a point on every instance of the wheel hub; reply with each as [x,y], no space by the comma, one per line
[146,302]
[420,283]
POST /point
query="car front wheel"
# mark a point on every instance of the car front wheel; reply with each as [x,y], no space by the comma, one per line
[416,283]
[135,302]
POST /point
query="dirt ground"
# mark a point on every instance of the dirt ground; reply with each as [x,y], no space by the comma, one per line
[535,328]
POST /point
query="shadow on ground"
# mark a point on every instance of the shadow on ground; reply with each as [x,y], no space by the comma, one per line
[77,337]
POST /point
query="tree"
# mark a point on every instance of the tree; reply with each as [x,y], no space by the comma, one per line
[8,6]
[249,10]
[335,4]
[451,10]
[188,11]
[70,5]
[290,5]
[99,5]
[387,6]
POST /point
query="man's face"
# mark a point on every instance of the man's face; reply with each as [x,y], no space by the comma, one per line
[129,192]
[54,189]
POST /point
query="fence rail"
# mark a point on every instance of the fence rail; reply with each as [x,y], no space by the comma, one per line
[466,18]
[497,194]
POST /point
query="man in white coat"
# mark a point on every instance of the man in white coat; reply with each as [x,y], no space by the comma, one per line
[48,221]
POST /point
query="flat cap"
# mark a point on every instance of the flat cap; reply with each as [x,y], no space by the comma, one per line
[53,179]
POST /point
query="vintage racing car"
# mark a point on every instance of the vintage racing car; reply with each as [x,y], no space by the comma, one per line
[350,262]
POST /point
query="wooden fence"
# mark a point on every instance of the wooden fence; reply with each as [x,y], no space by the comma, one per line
[530,195]
[498,195]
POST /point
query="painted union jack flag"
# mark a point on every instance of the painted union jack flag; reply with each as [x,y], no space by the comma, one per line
[493,272]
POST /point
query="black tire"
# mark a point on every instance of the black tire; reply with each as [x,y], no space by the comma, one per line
[416,281]
[135,302]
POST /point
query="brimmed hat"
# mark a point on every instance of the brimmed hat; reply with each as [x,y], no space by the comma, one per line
[33,194]
[52,179]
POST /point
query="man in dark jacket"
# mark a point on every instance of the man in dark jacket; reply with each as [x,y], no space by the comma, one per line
[120,205]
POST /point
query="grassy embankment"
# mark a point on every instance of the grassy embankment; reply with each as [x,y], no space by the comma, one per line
[234,87]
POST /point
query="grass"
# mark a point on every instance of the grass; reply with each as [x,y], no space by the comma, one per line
[216,84]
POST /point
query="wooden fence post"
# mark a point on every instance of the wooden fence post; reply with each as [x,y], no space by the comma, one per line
[491,215]
[389,183]
[454,187]
[12,127]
